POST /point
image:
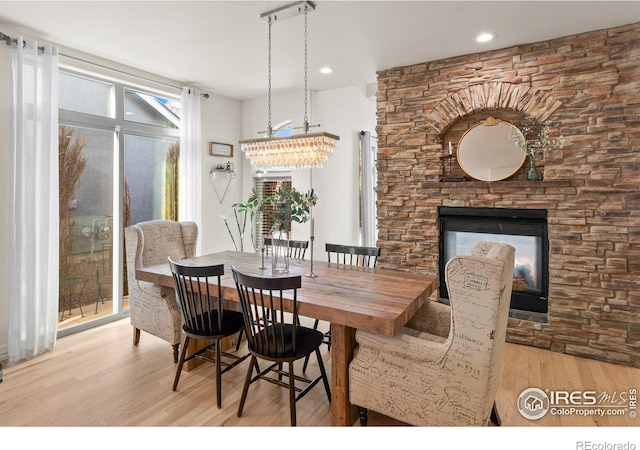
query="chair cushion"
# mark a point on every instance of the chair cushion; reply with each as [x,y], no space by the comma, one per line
[408,344]
[307,340]
[205,326]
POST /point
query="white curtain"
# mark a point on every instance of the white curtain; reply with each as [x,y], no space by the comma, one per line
[369,180]
[190,157]
[33,273]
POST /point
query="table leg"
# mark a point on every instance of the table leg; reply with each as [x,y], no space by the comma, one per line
[342,345]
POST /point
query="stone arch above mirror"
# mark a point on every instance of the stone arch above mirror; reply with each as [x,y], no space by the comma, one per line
[524,99]
[486,151]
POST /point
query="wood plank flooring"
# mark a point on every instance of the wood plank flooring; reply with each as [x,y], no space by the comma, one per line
[98,378]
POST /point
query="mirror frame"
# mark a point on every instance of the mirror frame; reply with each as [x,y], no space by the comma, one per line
[467,155]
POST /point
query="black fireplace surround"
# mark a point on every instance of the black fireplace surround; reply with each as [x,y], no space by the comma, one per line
[525,229]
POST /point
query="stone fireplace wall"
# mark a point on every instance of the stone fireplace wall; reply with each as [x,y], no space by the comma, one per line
[587,87]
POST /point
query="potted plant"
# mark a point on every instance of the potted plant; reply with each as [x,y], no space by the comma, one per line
[290,205]
[286,206]
[533,140]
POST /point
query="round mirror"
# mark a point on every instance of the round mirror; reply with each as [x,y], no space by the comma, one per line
[487,151]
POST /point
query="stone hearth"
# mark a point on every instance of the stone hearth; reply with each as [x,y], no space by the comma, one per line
[587,87]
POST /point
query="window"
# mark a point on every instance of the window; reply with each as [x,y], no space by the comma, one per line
[84,95]
[151,109]
[283,129]
[267,186]
[118,150]
[150,173]
[368,183]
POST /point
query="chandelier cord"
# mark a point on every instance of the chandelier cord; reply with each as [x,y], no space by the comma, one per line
[269,127]
[306,54]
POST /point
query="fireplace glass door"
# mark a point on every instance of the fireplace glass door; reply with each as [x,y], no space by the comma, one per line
[461,228]
[528,264]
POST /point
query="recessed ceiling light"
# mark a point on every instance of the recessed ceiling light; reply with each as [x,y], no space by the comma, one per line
[326,70]
[485,37]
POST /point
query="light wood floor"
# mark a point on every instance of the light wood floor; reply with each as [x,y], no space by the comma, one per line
[98,378]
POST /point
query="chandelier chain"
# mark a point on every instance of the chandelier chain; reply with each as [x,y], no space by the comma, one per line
[306,54]
[269,127]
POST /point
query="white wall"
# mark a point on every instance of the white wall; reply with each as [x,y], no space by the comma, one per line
[345,112]
[221,122]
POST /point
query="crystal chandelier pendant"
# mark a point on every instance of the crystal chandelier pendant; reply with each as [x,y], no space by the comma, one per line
[303,151]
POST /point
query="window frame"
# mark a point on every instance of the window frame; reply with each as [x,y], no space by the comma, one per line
[121,81]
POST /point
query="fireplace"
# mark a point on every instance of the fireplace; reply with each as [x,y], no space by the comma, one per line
[525,229]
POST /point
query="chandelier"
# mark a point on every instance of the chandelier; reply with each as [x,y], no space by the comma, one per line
[302,151]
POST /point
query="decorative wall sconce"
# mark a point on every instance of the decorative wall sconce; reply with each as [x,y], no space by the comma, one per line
[221,177]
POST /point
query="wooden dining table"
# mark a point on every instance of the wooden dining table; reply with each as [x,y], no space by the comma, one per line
[349,297]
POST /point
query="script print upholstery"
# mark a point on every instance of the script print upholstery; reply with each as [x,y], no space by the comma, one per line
[154,308]
[445,366]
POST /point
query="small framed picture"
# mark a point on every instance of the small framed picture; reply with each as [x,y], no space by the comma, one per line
[219,149]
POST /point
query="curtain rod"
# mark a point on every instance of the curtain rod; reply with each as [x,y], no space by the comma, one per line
[125,73]
[102,66]
[9,40]
[362,132]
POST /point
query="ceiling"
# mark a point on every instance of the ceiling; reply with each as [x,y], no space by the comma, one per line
[221,46]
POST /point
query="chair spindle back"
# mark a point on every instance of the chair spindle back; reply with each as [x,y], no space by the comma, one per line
[296,249]
[201,308]
[353,255]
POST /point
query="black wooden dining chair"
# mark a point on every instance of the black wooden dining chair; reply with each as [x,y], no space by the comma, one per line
[281,339]
[297,249]
[205,319]
[353,255]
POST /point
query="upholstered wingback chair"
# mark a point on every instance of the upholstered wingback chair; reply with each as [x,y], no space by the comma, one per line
[153,307]
[445,366]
